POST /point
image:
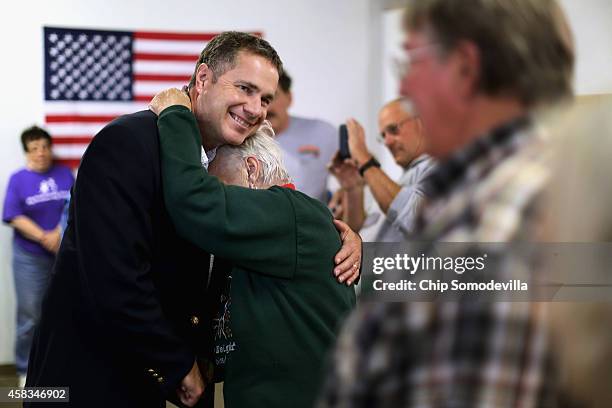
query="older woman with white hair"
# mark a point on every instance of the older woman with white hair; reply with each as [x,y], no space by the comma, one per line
[277,320]
[257,163]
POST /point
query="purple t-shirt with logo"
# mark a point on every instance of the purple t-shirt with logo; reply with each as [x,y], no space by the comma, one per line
[38,196]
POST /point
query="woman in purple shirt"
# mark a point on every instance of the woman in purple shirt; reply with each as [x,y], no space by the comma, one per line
[33,206]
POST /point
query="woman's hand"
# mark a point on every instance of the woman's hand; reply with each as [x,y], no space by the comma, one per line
[169,97]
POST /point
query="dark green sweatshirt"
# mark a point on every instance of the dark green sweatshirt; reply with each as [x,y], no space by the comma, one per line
[286,307]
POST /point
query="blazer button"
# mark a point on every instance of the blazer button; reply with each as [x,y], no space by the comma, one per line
[194,320]
[155,375]
[160,379]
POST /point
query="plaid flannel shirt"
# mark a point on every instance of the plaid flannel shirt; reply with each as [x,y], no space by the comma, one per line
[465,353]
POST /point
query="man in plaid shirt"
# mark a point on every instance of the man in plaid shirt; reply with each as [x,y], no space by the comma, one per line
[478,71]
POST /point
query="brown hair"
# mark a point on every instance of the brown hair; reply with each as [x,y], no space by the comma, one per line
[284,82]
[34,133]
[220,53]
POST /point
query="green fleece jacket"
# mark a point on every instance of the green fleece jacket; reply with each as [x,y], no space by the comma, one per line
[285,307]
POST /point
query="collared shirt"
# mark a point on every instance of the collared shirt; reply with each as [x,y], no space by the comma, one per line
[207,157]
[464,353]
[404,209]
[481,193]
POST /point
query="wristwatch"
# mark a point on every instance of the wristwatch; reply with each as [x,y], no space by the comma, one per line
[370,163]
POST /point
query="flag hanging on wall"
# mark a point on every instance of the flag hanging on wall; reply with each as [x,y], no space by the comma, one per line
[93,76]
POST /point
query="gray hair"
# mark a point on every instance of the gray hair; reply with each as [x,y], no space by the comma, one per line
[526,46]
[405,103]
[267,150]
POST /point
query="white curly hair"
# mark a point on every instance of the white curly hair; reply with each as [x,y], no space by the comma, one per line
[266,149]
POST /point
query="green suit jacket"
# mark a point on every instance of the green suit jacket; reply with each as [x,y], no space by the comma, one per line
[286,306]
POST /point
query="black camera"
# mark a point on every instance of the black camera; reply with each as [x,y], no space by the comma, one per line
[344,147]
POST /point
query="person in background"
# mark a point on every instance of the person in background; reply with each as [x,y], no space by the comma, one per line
[33,205]
[308,144]
[480,73]
[402,133]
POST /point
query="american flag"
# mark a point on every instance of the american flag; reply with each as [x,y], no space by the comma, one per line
[93,76]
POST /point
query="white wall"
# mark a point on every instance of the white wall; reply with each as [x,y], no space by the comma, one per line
[324,44]
[591,22]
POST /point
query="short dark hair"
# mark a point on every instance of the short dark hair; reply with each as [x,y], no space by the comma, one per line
[220,53]
[284,82]
[34,133]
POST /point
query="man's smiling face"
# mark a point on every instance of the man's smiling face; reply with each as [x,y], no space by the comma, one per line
[231,108]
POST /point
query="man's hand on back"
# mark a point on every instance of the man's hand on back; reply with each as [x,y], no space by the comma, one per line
[348,259]
[167,98]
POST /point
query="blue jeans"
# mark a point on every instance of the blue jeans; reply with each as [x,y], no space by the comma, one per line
[31,273]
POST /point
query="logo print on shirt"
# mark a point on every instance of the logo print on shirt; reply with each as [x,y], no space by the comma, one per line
[309,150]
[48,190]
[47,186]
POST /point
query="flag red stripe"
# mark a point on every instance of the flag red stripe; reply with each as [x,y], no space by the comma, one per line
[161,77]
[143,98]
[72,163]
[147,56]
[79,118]
[72,139]
[145,35]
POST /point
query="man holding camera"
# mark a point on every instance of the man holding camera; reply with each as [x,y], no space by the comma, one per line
[402,133]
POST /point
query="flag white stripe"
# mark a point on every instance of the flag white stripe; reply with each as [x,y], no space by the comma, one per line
[153,87]
[74,129]
[164,67]
[92,108]
[69,151]
[169,46]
